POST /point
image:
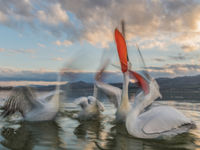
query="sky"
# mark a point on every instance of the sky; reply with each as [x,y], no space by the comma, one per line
[40,36]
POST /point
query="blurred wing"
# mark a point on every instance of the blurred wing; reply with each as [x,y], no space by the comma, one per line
[163,119]
[21,99]
[113,93]
[47,97]
[122,50]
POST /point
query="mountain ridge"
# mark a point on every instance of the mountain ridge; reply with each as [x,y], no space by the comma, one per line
[186,87]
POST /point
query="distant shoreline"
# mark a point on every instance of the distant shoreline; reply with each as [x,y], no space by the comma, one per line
[182,88]
[179,88]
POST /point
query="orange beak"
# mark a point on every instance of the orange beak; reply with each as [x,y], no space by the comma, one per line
[123,57]
[141,81]
[122,50]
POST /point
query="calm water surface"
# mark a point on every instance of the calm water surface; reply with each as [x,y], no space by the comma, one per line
[67,133]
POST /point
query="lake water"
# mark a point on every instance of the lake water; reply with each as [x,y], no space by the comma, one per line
[66,133]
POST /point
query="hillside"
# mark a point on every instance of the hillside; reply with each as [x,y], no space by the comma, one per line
[179,88]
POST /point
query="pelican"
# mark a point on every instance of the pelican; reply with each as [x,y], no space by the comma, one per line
[31,107]
[154,122]
[91,107]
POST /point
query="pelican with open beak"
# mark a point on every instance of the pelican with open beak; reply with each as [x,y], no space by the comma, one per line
[140,122]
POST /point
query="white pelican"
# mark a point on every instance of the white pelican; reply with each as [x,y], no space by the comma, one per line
[32,108]
[91,108]
[154,122]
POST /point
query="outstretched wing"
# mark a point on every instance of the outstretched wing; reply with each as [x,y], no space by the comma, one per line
[41,100]
[21,99]
[113,93]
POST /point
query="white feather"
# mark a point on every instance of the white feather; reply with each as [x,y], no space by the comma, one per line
[33,108]
[113,93]
[91,107]
[157,121]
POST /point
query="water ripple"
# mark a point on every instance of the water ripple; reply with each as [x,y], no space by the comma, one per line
[101,134]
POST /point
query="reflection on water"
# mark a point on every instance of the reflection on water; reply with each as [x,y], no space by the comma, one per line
[91,129]
[31,136]
[67,133]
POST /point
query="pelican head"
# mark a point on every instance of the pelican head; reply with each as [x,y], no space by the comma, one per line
[95,102]
[91,107]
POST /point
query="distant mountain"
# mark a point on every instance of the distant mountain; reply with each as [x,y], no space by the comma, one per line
[111,77]
[180,82]
[179,88]
[187,87]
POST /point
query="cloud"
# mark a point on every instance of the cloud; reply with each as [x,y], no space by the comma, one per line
[174,70]
[41,45]
[3,17]
[22,51]
[53,15]
[2,49]
[190,48]
[143,18]
[159,59]
[64,43]
[100,37]
[57,59]
[17,51]
[26,83]
[20,35]
[153,42]
[179,57]
[188,41]
[16,74]
[16,14]
[188,58]
[94,20]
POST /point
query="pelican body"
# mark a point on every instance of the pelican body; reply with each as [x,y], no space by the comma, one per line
[32,108]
